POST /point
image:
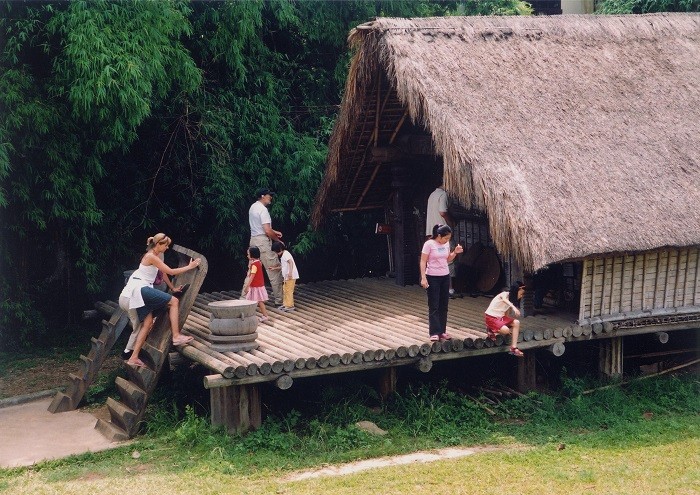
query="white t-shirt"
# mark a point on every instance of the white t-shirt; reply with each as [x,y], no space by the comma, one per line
[499,305]
[437,203]
[284,259]
[257,216]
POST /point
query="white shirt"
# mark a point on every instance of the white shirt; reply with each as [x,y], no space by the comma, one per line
[257,216]
[286,257]
[437,203]
[499,305]
[142,277]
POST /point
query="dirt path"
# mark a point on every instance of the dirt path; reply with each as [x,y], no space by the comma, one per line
[398,460]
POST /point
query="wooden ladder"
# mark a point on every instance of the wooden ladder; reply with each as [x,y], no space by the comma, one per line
[91,364]
[126,414]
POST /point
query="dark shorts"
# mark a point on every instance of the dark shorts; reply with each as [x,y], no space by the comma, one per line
[154,299]
[495,323]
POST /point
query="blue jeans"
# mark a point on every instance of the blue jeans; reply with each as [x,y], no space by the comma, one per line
[438,298]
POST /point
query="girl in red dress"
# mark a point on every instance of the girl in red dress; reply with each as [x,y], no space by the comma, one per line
[255,282]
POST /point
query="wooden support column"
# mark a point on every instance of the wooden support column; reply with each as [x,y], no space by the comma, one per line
[398,184]
[527,304]
[610,358]
[387,382]
[237,408]
[527,376]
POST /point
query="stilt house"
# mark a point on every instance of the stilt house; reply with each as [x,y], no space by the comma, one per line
[570,146]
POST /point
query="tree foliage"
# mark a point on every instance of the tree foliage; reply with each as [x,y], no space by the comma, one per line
[123,118]
[646,6]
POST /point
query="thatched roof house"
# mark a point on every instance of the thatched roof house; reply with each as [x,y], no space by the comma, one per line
[578,135]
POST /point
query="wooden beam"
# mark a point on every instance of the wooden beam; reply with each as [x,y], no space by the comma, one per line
[237,408]
[377,112]
[387,382]
[358,208]
[610,358]
[527,376]
[386,154]
[398,127]
[369,184]
[354,179]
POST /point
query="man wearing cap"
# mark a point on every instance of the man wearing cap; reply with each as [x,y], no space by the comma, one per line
[262,235]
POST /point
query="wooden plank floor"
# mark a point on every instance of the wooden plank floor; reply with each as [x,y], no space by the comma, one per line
[350,325]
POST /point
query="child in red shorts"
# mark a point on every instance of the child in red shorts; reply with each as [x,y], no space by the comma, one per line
[497,320]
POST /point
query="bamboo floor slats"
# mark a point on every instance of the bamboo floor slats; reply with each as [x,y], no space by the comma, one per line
[342,326]
[351,325]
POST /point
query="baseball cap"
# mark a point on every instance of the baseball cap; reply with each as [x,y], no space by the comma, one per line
[263,191]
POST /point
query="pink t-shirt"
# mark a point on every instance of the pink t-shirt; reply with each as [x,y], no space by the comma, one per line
[437,257]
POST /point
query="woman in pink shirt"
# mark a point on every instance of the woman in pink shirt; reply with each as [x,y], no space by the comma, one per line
[435,278]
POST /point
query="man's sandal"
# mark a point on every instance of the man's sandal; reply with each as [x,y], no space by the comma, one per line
[514,351]
[434,338]
[445,336]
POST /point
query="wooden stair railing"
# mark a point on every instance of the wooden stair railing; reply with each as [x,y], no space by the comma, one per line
[134,391]
[79,383]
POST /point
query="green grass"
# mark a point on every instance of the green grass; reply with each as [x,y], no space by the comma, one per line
[643,438]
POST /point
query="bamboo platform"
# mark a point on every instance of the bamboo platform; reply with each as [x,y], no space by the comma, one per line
[352,325]
[345,326]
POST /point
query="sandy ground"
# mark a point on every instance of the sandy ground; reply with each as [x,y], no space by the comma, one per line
[30,433]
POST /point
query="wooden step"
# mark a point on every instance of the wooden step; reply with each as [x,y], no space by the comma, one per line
[111,431]
[91,364]
[152,355]
[131,395]
[61,403]
[122,415]
[143,378]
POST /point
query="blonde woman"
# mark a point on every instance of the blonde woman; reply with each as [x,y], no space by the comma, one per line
[140,295]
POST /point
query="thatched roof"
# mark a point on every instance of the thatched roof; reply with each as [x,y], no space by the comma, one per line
[578,135]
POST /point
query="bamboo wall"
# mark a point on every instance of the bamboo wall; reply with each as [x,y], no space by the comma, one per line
[659,282]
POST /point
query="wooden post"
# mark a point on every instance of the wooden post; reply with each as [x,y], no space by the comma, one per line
[237,408]
[398,185]
[387,382]
[527,304]
[662,337]
[527,376]
[610,358]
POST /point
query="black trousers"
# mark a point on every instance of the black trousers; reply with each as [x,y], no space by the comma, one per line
[438,298]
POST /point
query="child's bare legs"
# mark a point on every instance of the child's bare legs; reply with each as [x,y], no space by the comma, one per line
[261,307]
[146,326]
[514,330]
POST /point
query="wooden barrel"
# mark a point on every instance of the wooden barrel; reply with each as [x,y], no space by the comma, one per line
[233,325]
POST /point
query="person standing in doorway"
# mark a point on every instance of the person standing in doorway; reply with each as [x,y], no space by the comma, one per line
[261,236]
[435,278]
[437,214]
